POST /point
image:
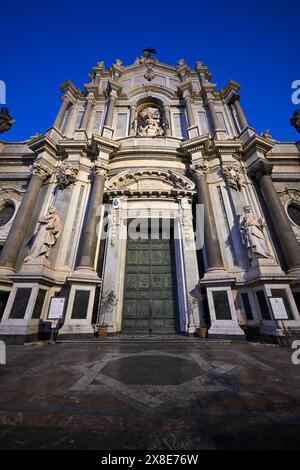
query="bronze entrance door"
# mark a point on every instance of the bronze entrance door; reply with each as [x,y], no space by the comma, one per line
[150,290]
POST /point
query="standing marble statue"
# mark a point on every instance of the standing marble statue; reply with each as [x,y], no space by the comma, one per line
[48,231]
[6,121]
[252,232]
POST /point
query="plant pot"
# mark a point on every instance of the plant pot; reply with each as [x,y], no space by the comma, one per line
[202,332]
[102,332]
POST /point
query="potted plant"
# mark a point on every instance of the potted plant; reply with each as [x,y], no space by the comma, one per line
[102,330]
[202,330]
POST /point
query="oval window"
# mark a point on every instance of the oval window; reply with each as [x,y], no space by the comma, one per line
[6,213]
[294,212]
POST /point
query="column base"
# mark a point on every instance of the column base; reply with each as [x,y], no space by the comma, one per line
[227,329]
[294,272]
[84,274]
[6,271]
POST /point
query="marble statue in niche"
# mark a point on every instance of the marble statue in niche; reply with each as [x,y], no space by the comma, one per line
[46,236]
[253,238]
[150,122]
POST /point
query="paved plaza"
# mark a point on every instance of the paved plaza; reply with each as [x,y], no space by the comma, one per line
[153,394]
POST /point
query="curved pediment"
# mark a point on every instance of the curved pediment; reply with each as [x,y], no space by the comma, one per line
[150,179]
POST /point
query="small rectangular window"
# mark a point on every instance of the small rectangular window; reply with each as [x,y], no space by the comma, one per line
[80,305]
[221,121]
[221,304]
[66,119]
[97,122]
[79,119]
[121,130]
[263,305]
[203,123]
[19,306]
[180,125]
[247,306]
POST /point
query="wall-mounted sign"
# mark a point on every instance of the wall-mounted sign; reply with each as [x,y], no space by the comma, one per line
[56,308]
[278,307]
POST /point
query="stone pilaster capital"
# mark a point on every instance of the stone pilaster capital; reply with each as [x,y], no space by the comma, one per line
[91,99]
[199,169]
[207,91]
[259,169]
[100,168]
[39,168]
[65,99]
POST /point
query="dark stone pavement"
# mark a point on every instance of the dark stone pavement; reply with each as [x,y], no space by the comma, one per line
[153,395]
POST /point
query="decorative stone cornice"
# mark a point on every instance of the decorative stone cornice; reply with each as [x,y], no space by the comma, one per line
[127,177]
[199,169]
[99,143]
[208,91]
[229,92]
[221,147]
[43,143]
[40,168]
[66,175]
[260,168]
[197,144]
[257,143]
[185,89]
[113,90]
[71,90]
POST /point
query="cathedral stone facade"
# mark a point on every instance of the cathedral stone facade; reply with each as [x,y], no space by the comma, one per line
[149,145]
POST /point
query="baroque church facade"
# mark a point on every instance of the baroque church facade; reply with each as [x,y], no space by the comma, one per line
[149,145]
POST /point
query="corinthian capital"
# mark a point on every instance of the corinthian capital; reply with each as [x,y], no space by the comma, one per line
[199,169]
[40,168]
[100,168]
[260,168]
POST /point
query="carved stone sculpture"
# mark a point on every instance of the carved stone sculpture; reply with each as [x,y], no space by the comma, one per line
[295,120]
[150,122]
[6,121]
[199,168]
[66,175]
[46,236]
[232,174]
[149,75]
[252,233]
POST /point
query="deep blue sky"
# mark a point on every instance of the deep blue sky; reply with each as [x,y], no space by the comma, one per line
[254,43]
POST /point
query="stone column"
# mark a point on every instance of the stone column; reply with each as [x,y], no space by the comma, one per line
[87,112]
[211,241]
[132,129]
[61,113]
[168,120]
[240,113]
[97,80]
[212,112]
[188,106]
[282,225]
[110,108]
[89,237]
[15,239]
